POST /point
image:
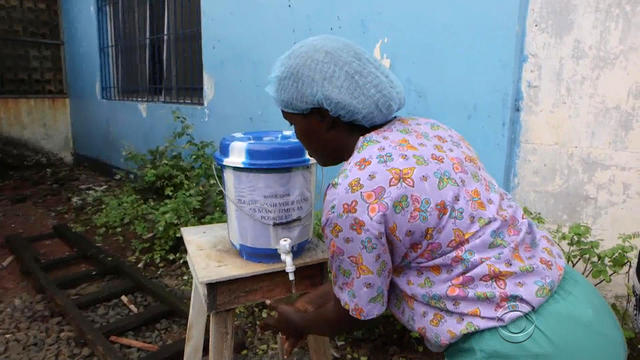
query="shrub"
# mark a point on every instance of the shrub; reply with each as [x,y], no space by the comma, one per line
[170,186]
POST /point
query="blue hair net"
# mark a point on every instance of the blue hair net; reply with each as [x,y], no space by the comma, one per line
[335,74]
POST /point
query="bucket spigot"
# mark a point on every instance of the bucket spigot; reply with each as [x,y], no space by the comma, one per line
[284,249]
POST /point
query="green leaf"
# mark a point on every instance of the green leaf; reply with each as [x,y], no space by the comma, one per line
[628,333]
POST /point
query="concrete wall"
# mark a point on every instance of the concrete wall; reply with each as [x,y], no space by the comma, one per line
[579,154]
[459,61]
[41,122]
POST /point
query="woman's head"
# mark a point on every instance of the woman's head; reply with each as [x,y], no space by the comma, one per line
[327,139]
[326,79]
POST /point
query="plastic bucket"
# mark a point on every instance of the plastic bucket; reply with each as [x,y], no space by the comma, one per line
[269,182]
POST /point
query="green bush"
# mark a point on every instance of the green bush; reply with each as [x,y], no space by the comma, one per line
[317,226]
[170,186]
[584,254]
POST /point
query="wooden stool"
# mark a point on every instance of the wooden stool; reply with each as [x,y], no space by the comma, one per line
[222,281]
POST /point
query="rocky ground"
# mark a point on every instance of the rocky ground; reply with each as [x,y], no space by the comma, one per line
[37,191]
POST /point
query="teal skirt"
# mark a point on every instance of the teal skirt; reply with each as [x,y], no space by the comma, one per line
[574,323]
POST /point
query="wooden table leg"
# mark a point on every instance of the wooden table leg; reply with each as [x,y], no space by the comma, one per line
[196,325]
[319,347]
[221,335]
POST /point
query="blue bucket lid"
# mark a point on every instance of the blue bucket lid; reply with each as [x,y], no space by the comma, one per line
[262,150]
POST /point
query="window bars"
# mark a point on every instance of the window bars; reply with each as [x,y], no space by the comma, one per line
[31,49]
[151,50]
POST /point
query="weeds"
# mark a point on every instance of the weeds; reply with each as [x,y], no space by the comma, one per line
[170,186]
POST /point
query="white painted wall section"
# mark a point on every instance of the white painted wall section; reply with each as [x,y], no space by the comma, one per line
[579,156]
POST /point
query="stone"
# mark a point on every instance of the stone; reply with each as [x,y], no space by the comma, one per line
[51,339]
[14,350]
[132,353]
[163,324]
[85,351]
[55,320]
[37,344]
[17,304]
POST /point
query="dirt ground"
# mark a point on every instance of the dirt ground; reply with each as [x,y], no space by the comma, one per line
[34,195]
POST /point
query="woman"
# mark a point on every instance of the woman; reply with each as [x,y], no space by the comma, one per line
[415,225]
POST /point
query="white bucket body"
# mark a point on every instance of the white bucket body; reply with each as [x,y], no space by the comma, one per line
[269,182]
[266,205]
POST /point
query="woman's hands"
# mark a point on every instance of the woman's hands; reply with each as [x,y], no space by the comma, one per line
[288,320]
[319,312]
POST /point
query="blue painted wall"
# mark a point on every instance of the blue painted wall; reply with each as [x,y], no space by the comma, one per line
[460,63]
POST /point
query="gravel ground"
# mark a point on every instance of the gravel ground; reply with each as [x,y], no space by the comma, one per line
[30,330]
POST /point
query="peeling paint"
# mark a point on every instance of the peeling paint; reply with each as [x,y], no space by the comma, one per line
[384,60]
[209,87]
[143,109]
[580,139]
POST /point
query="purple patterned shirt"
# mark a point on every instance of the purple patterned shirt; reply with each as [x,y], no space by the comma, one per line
[416,225]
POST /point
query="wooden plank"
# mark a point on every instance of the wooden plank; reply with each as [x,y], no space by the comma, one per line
[233,293]
[110,291]
[133,343]
[221,335]
[59,262]
[41,237]
[74,279]
[103,348]
[319,347]
[196,324]
[215,260]
[151,314]
[151,287]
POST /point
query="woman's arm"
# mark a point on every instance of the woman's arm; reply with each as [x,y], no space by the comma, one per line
[329,319]
[315,298]
[318,312]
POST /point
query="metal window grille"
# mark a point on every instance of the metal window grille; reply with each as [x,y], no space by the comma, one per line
[31,49]
[151,50]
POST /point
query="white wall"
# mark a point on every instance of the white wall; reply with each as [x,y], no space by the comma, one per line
[579,156]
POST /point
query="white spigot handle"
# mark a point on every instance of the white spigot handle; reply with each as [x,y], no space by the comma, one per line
[287,257]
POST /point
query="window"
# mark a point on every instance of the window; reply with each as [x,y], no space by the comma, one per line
[31,49]
[150,50]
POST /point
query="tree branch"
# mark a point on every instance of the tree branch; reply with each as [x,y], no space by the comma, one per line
[589,273]
[610,275]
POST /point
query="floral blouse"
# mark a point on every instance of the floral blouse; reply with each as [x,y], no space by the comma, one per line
[416,225]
